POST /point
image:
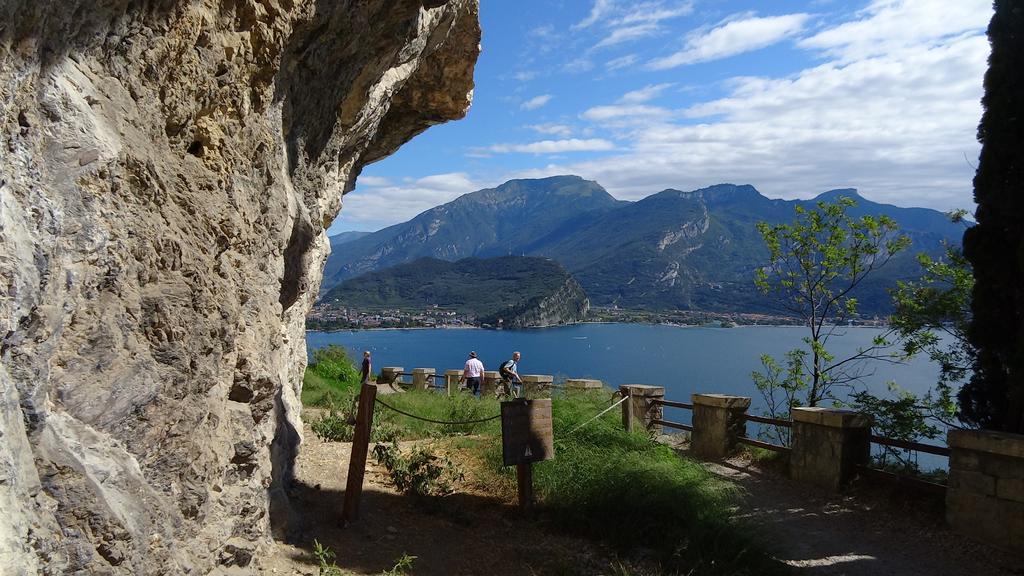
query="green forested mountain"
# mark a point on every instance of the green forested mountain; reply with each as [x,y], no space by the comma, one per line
[492,222]
[693,250]
[518,290]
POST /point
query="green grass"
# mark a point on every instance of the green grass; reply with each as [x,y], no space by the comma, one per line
[636,494]
[321,391]
[458,407]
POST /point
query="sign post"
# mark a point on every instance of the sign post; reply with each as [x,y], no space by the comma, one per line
[526,437]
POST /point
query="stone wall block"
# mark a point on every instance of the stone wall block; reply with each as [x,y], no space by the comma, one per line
[986,502]
[828,446]
[490,384]
[964,460]
[975,482]
[534,383]
[717,423]
[422,378]
[1002,466]
[1010,489]
[391,374]
[578,384]
[638,411]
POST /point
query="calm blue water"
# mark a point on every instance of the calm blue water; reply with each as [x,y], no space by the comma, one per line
[684,360]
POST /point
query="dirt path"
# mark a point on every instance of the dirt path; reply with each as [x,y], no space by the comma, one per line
[871,531]
[468,533]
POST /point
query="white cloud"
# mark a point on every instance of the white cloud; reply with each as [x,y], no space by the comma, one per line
[561,130]
[639,112]
[628,34]
[646,93]
[386,205]
[373,181]
[536,102]
[622,62]
[555,146]
[887,25]
[654,12]
[629,22]
[578,65]
[900,127]
[600,9]
[732,38]
[525,75]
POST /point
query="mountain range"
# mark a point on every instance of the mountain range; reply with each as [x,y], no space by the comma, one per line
[694,250]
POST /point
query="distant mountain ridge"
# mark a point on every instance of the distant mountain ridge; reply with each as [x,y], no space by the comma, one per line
[491,222]
[695,250]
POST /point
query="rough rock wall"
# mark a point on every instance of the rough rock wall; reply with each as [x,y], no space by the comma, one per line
[167,171]
[566,305]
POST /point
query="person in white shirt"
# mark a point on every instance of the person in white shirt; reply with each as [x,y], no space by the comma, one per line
[473,374]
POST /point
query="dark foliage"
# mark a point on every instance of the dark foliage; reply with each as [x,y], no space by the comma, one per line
[994,398]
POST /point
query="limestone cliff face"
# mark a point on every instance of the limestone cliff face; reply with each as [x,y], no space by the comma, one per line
[566,305]
[167,171]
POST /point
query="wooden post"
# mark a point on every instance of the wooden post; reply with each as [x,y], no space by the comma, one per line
[360,448]
[524,479]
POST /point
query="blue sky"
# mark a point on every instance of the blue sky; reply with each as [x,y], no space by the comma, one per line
[793,97]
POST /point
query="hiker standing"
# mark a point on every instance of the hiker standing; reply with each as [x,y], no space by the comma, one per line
[367,369]
[510,376]
[473,374]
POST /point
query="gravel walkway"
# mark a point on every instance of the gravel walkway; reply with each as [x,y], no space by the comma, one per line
[870,531]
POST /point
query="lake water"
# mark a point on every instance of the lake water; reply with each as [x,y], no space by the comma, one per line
[684,360]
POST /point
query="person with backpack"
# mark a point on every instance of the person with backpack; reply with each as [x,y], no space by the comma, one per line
[510,380]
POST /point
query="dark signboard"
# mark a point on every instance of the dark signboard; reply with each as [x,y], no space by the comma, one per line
[526,431]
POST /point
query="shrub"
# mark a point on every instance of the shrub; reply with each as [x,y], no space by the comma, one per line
[420,473]
[332,362]
[333,427]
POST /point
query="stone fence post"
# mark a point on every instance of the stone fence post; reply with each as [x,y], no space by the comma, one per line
[391,374]
[451,380]
[535,382]
[985,498]
[828,445]
[717,422]
[580,384]
[421,378]
[490,384]
[638,411]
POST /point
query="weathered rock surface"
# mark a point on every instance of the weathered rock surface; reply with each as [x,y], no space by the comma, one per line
[167,171]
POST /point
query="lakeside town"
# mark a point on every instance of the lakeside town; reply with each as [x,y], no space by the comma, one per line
[325,317]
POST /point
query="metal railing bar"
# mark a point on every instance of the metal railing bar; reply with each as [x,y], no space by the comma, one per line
[764,445]
[766,420]
[672,404]
[903,480]
[675,425]
[916,446]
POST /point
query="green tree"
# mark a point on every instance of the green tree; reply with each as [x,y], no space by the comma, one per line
[816,262]
[994,396]
[932,315]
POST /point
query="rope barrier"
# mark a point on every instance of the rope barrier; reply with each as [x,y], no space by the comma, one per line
[454,423]
[599,414]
